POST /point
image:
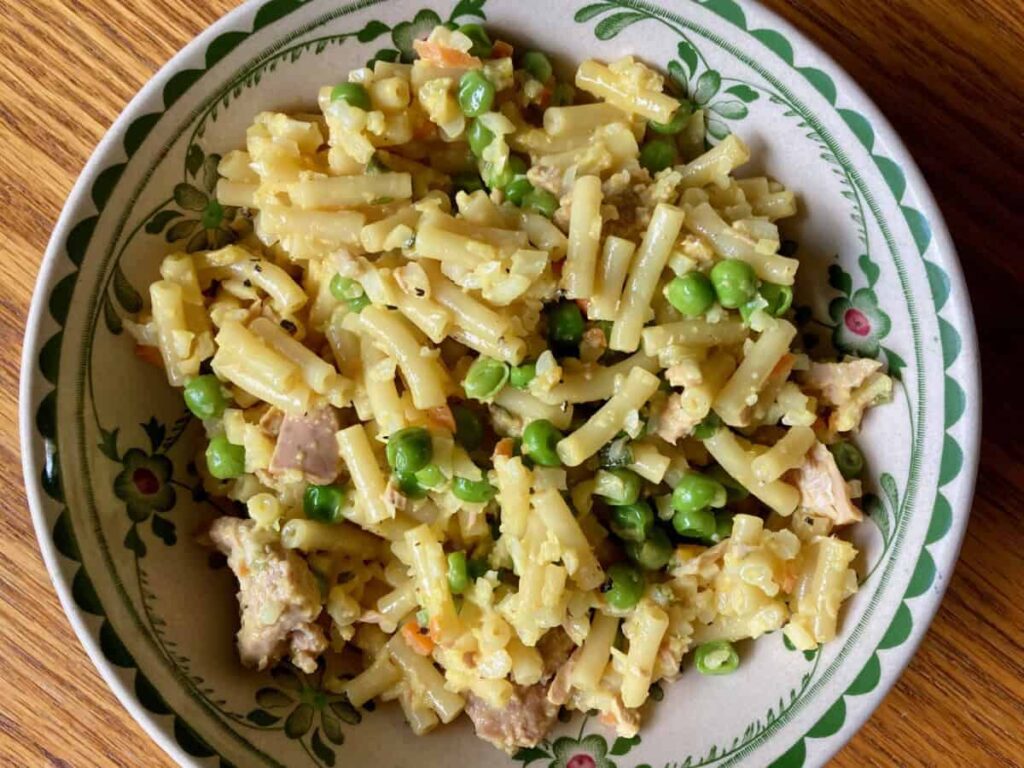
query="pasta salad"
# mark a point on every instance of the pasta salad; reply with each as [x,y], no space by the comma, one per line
[503,393]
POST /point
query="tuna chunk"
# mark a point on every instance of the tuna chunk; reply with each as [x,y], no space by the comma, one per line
[306,443]
[823,491]
[836,381]
[522,722]
[278,596]
[673,421]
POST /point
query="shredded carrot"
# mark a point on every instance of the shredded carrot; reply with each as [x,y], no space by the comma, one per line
[149,355]
[784,366]
[442,417]
[544,98]
[501,49]
[504,447]
[417,638]
[442,56]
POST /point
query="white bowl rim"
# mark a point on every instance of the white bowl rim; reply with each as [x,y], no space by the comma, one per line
[45,279]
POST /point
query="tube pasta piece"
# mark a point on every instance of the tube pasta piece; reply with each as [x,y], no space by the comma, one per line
[467,312]
[509,350]
[731,244]
[372,681]
[597,382]
[609,420]
[599,80]
[613,266]
[740,393]
[715,165]
[355,450]
[379,384]
[649,462]
[319,375]
[340,538]
[644,629]
[581,119]
[579,559]
[423,374]
[238,193]
[788,453]
[643,277]
[543,234]
[529,408]
[430,570]
[396,605]
[696,399]
[826,579]
[693,333]
[347,191]
[333,226]
[584,238]
[422,675]
[727,451]
[593,656]
[248,362]
[513,481]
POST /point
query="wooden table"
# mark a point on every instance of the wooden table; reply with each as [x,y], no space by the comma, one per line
[947,73]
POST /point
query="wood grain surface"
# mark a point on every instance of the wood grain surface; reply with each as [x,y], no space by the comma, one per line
[949,74]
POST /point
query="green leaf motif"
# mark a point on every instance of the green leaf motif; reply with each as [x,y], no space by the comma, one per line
[384,54]
[210,175]
[732,110]
[743,93]
[111,318]
[108,444]
[622,745]
[468,8]
[190,198]
[299,721]
[587,12]
[323,752]
[875,510]
[194,159]
[160,220]
[610,26]
[895,363]
[689,56]
[678,75]
[869,268]
[717,128]
[133,542]
[527,755]
[332,727]
[346,711]
[262,718]
[707,86]
[164,530]
[272,698]
[372,31]
[126,295]
[888,483]
[840,279]
[181,230]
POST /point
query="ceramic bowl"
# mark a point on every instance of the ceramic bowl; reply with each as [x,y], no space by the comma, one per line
[107,445]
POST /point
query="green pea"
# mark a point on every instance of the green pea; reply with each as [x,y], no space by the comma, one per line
[694,523]
[517,190]
[430,477]
[357,305]
[625,586]
[522,375]
[692,294]
[565,325]
[540,201]
[618,487]
[476,93]
[734,281]
[540,439]
[472,490]
[652,553]
[518,165]
[467,182]
[696,491]
[485,378]
[716,658]
[723,527]
[323,503]
[410,486]
[707,427]
[224,459]
[482,45]
[734,489]
[631,522]
[352,93]
[205,396]
[779,298]
[469,432]
[658,154]
[479,137]
[676,123]
[458,574]
[409,450]
[538,65]
[563,95]
[349,291]
[848,458]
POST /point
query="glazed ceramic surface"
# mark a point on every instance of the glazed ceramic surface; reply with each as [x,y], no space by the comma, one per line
[108,447]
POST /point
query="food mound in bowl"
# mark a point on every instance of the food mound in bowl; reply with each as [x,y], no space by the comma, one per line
[505,374]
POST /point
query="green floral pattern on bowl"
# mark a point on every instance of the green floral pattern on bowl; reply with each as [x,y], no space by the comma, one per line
[109,469]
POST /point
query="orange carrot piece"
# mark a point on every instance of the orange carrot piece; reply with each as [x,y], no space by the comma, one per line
[417,638]
[504,447]
[441,56]
[442,417]
[501,49]
[149,354]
